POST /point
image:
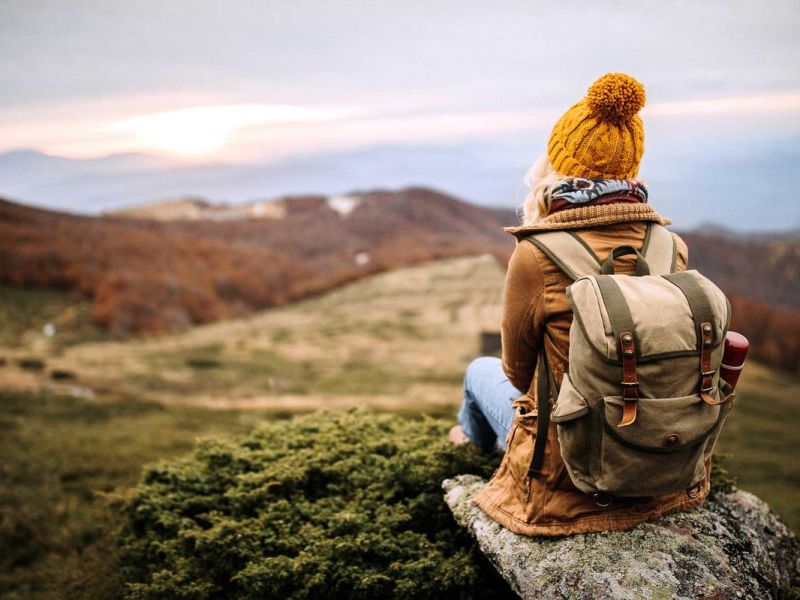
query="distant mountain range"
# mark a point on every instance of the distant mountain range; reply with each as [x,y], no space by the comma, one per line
[90,186]
[743,187]
[199,209]
[149,269]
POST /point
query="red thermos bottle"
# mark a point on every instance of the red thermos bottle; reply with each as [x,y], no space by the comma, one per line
[736,347]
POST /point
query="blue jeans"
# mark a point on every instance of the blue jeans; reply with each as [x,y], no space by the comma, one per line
[486,413]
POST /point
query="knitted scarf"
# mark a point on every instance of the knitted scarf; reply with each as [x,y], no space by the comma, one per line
[580,190]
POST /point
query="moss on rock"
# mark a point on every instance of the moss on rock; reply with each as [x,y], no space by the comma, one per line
[733,546]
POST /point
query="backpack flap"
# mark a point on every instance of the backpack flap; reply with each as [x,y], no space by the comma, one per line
[658,307]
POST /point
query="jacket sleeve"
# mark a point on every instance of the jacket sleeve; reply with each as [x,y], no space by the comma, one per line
[523,316]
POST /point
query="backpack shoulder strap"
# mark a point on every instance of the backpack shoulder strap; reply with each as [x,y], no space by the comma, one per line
[568,251]
[571,254]
[545,385]
[660,250]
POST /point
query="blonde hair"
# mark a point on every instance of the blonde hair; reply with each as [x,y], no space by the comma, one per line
[540,179]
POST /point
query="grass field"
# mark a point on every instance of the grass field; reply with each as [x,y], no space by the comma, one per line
[397,341]
[65,461]
[404,334]
[760,439]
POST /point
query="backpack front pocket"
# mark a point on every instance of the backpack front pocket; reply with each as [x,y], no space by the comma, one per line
[662,451]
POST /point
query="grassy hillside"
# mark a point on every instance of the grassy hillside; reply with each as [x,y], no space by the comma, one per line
[760,438]
[397,341]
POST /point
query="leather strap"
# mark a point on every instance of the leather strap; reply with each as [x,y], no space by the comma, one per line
[543,418]
[630,382]
[619,313]
[705,333]
[703,317]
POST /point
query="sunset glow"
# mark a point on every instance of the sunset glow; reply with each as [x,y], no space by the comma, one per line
[253,131]
[200,131]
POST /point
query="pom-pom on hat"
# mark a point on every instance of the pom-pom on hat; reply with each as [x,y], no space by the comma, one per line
[602,135]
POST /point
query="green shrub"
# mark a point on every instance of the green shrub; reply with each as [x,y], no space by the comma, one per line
[328,505]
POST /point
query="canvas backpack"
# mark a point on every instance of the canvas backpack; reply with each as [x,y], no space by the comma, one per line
[640,408]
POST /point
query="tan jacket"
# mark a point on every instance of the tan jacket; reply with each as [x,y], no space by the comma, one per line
[536,311]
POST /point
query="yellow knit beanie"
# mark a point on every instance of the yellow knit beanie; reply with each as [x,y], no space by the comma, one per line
[602,135]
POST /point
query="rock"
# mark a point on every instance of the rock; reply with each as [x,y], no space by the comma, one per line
[733,546]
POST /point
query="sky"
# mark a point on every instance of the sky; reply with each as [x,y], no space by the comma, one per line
[252,83]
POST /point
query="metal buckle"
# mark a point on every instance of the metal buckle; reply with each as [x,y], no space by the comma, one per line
[710,384]
[630,383]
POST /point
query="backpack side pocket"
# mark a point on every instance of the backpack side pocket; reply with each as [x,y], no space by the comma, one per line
[571,416]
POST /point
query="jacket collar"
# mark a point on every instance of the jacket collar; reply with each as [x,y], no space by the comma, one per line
[583,217]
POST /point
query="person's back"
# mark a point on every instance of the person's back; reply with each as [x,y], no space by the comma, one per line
[584,185]
[531,269]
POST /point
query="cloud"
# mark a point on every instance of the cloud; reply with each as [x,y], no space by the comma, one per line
[732,107]
[203,79]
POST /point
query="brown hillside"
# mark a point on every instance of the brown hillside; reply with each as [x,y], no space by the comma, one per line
[155,276]
[147,275]
[774,333]
[761,277]
[764,270]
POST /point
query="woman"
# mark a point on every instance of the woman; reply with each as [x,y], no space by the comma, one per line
[585,183]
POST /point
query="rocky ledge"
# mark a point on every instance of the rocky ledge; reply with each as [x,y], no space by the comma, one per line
[733,546]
